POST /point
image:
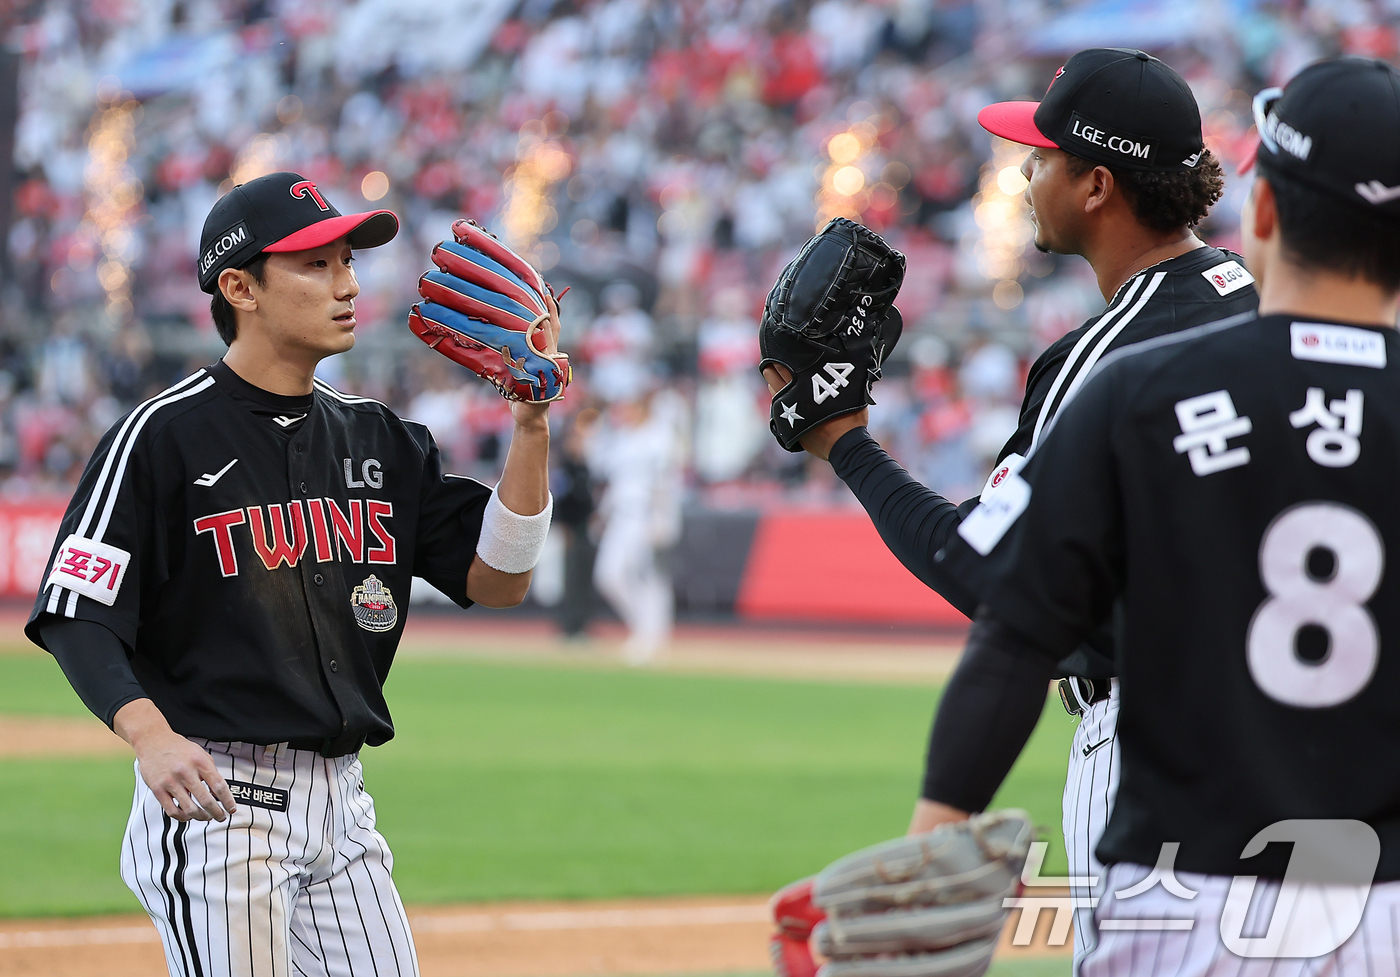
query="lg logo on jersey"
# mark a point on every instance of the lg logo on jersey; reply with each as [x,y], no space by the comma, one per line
[370,473]
[279,533]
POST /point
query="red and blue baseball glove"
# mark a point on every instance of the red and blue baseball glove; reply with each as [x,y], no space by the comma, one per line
[489,310]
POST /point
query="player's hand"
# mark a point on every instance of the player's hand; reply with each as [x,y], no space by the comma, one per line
[182,776]
[822,438]
[930,814]
[525,413]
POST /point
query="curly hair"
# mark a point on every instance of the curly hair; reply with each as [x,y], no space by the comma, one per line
[1165,201]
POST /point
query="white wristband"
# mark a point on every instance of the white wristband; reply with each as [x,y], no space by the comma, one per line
[510,542]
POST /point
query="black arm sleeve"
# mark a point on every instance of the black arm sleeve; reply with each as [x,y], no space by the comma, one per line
[989,708]
[95,662]
[913,520]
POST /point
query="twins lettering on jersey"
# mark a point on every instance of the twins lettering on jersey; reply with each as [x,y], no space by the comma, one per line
[280,533]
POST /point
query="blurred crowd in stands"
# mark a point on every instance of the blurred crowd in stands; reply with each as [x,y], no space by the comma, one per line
[664,158]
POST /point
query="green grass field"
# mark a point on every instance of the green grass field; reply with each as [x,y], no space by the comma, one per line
[531,781]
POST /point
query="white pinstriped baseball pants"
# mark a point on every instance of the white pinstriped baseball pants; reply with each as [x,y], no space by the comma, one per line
[1090,786]
[1373,950]
[301,893]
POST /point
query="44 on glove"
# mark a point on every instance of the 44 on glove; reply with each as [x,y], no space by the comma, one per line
[486,308]
[927,905]
[830,320]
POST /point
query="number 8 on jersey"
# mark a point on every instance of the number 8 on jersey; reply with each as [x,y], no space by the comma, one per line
[1333,602]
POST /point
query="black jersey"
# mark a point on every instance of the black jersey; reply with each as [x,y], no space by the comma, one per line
[1232,489]
[256,553]
[1201,286]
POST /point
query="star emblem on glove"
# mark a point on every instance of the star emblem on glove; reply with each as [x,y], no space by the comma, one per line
[790,414]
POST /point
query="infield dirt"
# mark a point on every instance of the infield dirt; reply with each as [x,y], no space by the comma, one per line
[626,938]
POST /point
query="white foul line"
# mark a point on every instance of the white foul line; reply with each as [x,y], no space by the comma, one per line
[590,919]
[84,937]
[483,922]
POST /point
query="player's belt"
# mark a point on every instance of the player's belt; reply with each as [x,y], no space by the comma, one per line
[328,748]
[1078,693]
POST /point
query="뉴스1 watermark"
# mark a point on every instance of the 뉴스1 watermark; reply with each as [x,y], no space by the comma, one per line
[1319,906]
[1062,906]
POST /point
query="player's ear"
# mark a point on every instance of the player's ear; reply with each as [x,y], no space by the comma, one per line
[236,284]
[1263,212]
[1101,186]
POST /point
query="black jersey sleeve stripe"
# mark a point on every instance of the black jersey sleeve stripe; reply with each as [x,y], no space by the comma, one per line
[1185,335]
[1071,361]
[1090,361]
[104,489]
[130,428]
[124,443]
[200,387]
[100,489]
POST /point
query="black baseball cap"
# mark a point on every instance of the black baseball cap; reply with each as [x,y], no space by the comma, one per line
[1115,106]
[1336,128]
[280,212]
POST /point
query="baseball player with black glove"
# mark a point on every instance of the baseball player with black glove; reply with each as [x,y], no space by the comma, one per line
[230,582]
[1227,492]
[1119,174]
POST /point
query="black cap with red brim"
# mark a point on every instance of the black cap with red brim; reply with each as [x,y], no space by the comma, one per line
[277,213]
[1014,121]
[1114,106]
[1334,128]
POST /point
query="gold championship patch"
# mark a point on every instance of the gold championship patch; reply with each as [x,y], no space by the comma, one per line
[374,605]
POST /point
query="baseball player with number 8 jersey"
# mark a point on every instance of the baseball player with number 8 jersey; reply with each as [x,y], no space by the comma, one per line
[1230,490]
[1131,216]
[231,579]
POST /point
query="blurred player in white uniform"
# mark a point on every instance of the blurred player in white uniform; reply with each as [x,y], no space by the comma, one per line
[641,457]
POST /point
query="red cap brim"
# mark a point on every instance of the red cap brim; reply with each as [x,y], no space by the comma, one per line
[1247,161]
[367,230]
[1014,121]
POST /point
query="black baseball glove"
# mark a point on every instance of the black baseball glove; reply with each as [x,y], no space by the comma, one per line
[831,321]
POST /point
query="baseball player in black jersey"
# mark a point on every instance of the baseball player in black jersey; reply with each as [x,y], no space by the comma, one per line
[230,583]
[1230,490]
[1117,173]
